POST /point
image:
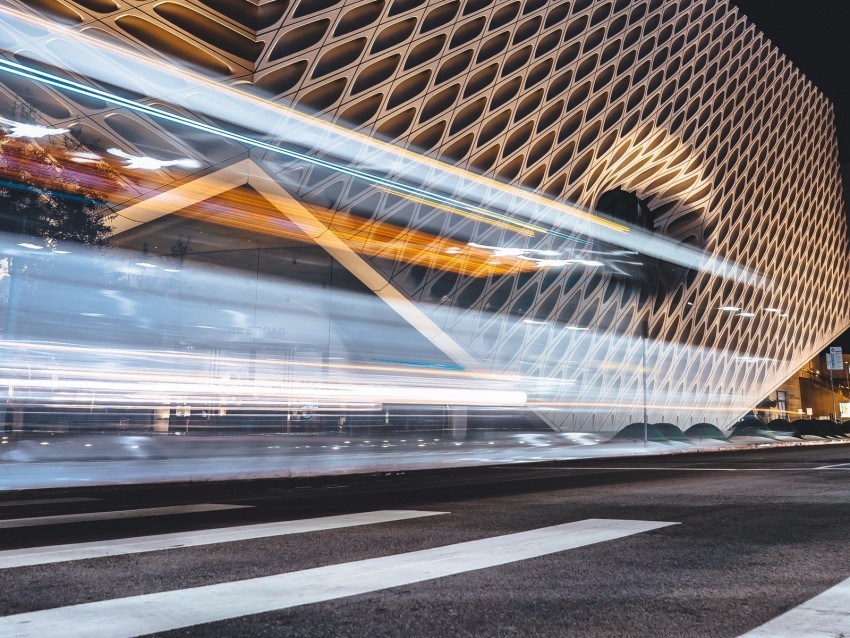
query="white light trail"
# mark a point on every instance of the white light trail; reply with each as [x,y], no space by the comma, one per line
[367,159]
[32,131]
[142,162]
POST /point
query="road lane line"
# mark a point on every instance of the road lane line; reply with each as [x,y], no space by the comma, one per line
[837,466]
[669,468]
[45,501]
[158,542]
[117,515]
[824,615]
[165,611]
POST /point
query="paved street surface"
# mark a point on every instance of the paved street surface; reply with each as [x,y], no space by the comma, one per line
[79,460]
[717,544]
[109,459]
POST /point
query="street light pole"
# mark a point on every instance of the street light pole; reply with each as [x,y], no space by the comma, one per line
[645,330]
[832,389]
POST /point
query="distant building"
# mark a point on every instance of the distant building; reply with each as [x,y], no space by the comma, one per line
[813,392]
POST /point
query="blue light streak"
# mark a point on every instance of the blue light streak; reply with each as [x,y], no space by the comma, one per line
[58,194]
[421,364]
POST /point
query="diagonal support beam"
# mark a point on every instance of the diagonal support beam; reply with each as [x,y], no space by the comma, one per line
[249,172]
[182,196]
[357,265]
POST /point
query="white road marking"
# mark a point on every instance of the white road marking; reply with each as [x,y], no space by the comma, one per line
[165,611]
[45,501]
[119,514]
[671,467]
[823,615]
[80,551]
[837,466]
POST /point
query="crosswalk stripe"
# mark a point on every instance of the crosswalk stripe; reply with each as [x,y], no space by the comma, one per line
[824,615]
[35,521]
[165,611]
[45,501]
[139,544]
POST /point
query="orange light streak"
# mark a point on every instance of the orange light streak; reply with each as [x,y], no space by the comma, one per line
[247,210]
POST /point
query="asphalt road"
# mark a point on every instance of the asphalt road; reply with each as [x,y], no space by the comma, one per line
[43,461]
[751,535]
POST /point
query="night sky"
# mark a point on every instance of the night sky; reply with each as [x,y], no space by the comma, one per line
[815,35]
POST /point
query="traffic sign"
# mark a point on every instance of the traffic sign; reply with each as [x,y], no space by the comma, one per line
[834,359]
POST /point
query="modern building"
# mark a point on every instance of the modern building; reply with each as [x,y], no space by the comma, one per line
[621,209]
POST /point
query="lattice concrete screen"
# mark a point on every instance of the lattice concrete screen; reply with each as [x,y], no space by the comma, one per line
[683,104]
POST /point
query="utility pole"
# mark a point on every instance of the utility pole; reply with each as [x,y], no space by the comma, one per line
[645,329]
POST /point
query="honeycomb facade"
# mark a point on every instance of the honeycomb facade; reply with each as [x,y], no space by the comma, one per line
[683,104]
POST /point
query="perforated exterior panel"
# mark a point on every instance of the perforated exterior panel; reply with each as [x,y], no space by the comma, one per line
[685,104]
